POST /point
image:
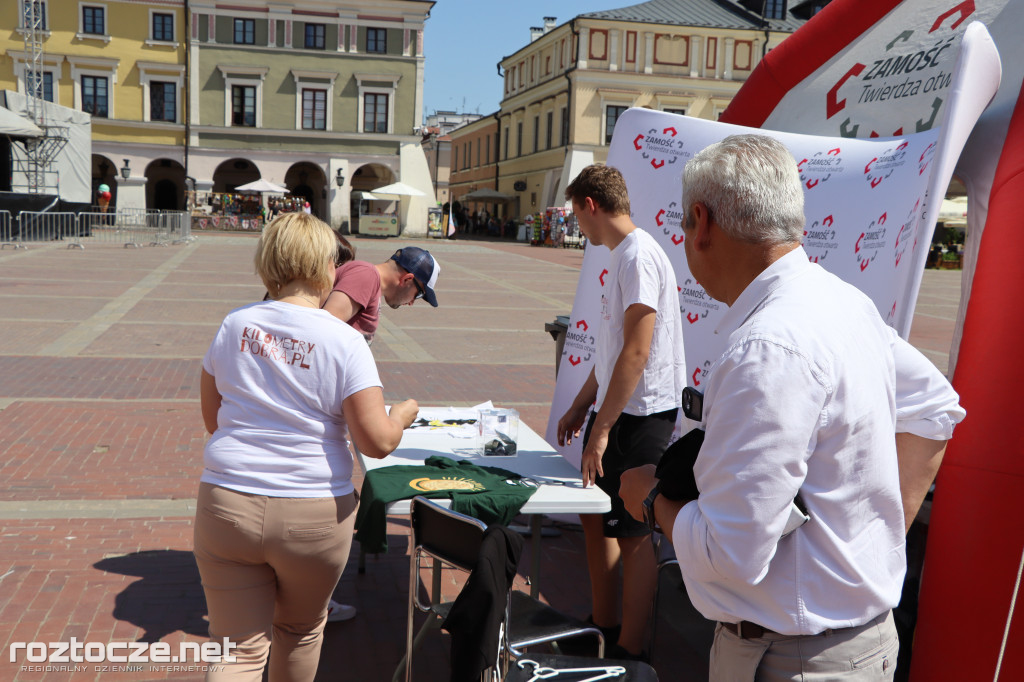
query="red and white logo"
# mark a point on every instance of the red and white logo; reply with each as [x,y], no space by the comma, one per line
[700,373]
[580,344]
[694,302]
[882,166]
[670,220]
[820,167]
[906,237]
[911,73]
[820,238]
[870,242]
[661,147]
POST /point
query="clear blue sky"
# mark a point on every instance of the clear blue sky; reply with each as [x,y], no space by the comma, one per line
[465,40]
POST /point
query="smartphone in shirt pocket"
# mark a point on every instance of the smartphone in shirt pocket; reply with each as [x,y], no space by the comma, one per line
[797,516]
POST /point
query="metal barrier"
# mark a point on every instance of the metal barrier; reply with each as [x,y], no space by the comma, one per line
[184,228]
[131,227]
[38,226]
[6,231]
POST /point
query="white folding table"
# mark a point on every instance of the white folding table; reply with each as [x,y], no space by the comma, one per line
[559,484]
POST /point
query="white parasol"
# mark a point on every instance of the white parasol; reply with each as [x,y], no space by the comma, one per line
[398,189]
[261,185]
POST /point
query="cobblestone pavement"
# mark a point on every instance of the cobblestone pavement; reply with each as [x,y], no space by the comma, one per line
[101,439]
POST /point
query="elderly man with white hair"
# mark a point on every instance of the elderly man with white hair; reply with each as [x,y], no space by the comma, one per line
[815,401]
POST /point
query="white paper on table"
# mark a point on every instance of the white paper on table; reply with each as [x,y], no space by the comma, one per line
[440,414]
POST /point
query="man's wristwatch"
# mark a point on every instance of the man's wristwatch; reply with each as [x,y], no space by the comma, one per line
[648,506]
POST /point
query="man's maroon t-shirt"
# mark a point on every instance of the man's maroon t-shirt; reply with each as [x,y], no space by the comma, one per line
[360,281]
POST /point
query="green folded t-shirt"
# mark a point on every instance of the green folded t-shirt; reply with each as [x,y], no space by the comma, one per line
[490,494]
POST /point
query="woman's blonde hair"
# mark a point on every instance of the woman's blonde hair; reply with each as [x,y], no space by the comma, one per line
[296,246]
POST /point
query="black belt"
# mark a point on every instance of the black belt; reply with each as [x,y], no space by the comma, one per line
[747,630]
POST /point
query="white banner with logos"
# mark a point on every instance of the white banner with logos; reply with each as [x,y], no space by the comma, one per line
[870,205]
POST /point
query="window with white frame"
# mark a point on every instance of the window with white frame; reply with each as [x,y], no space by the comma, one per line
[96,96]
[243,95]
[163,101]
[161,90]
[376,112]
[92,20]
[94,79]
[44,88]
[48,86]
[314,109]
[675,110]
[41,16]
[49,75]
[161,27]
[314,94]
[243,105]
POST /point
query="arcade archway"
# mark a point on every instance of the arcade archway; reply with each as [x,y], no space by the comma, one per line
[104,172]
[307,180]
[165,185]
[232,173]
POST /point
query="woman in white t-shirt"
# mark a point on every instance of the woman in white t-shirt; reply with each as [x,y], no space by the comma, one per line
[284,385]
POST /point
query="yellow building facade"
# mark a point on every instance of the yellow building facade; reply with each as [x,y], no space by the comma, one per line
[123,62]
[328,95]
[564,90]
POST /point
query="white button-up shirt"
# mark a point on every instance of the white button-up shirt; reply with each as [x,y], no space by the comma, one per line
[806,398]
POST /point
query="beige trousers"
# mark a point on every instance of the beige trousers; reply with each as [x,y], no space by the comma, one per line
[269,566]
[859,654]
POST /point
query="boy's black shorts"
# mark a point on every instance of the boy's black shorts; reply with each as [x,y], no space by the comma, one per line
[633,441]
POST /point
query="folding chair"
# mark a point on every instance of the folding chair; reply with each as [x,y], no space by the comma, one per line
[455,539]
[532,622]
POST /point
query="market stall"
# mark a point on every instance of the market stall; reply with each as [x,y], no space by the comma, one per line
[375,215]
[556,226]
[381,215]
[247,208]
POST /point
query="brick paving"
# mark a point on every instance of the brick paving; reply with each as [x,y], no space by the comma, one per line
[101,439]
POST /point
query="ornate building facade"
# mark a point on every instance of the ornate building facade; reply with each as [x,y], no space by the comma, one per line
[564,90]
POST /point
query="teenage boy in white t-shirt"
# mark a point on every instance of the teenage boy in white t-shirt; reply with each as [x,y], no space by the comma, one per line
[636,386]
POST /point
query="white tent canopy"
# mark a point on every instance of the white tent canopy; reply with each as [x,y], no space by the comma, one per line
[370,196]
[485,194]
[953,212]
[16,125]
[261,185]
[398,189]
[72,163]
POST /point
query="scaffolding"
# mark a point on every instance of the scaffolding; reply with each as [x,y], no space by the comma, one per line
[40,152]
